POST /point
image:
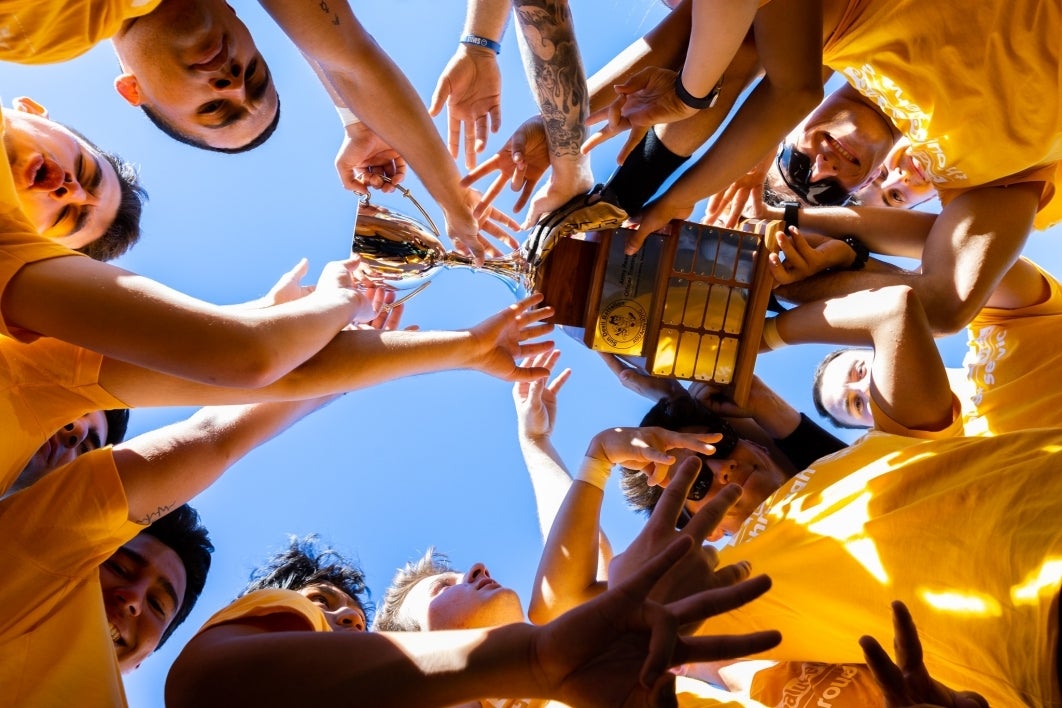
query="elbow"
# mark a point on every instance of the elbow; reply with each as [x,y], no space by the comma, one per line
[950,319]
[249,365]
[802,97]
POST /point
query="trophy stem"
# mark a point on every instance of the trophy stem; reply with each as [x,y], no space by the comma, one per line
[513,270]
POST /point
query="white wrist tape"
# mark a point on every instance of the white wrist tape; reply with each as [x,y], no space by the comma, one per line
[770,334]
[347,116]
[595,472]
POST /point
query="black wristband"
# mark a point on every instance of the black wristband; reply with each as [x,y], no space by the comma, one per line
[791,214]
[691,100]
[862,253]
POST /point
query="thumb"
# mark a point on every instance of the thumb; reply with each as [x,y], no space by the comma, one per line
[439,96]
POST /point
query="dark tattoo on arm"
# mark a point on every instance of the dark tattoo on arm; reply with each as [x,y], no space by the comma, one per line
[323,4]
[153,516]
[555,71]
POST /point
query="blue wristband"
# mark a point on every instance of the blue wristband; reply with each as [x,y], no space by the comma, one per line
[482,42]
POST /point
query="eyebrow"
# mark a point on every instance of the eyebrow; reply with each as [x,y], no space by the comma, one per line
[143,562]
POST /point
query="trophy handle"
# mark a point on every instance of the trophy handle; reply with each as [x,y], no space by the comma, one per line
[408,195]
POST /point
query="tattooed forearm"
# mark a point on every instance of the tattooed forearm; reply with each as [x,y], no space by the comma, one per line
[323,5]
[555,71]
[153,516]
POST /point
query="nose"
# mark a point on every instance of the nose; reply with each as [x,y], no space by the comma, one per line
[349,619]
[822,168]
[129,600]
[228,79]
[723,471]
[74,434]
[70,190]
[476,572]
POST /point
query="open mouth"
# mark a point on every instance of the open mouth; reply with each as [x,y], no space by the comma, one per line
[841,150]
[116,636]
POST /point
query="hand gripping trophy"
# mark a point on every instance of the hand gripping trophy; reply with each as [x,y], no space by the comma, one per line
[688,305]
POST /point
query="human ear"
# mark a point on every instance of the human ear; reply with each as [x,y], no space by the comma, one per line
[128,88]
[28,105]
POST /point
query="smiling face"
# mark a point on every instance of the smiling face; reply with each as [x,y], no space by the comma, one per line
[749,465]
[143,583]
[902,180]
[844,387]
[195,65]
[845,139]
[455,601]
[343,612]
[67,190]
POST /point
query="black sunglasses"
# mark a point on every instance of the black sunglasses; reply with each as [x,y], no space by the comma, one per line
[723,449]
[795,168]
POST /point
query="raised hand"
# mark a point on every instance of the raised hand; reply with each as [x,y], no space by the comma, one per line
[697,570]
[470,88]
[909,683]
[615,650]
[646,99]
[794,258]
[635,379]
[656,215]
[364,159]
[728,207]
[536,401]
[497,343]
[521,161]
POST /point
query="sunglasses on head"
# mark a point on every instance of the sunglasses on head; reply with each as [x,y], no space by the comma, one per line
[795,168]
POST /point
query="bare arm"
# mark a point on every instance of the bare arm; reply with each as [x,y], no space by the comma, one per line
[908,380]
[791,87]
[975,239]
[369,83]
[135,319]
[357,359]
[165,468]
[614,650]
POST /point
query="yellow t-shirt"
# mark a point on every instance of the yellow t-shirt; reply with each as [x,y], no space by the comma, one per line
[262,603]
[55,644]
[975,86]
[1012,367]
[963,530]
[44,384]
[49,31]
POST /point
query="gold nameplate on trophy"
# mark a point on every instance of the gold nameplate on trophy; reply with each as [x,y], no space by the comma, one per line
[689,305]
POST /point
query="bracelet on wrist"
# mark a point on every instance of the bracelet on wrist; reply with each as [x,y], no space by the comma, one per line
[692,101]
[482,42]
[862,253]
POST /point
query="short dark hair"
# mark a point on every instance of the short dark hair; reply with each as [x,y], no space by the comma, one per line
[816,389]
[305,563]
[672,413]
[182,531]
[172,131]
[117,425]
[124,231]
[388,619]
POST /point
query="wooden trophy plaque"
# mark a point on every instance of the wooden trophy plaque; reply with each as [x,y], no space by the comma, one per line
[689,305]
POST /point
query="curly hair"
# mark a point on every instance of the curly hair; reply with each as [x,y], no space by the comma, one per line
[305,563]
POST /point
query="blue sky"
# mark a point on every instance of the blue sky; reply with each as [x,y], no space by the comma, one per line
[386,472]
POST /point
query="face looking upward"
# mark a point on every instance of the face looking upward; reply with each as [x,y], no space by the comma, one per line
[67,189]
[750,466]
[901,182]
[85,434]
[343,612]
[194,63]
[845,138]
[455,601]
[844,387]
[143,585]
